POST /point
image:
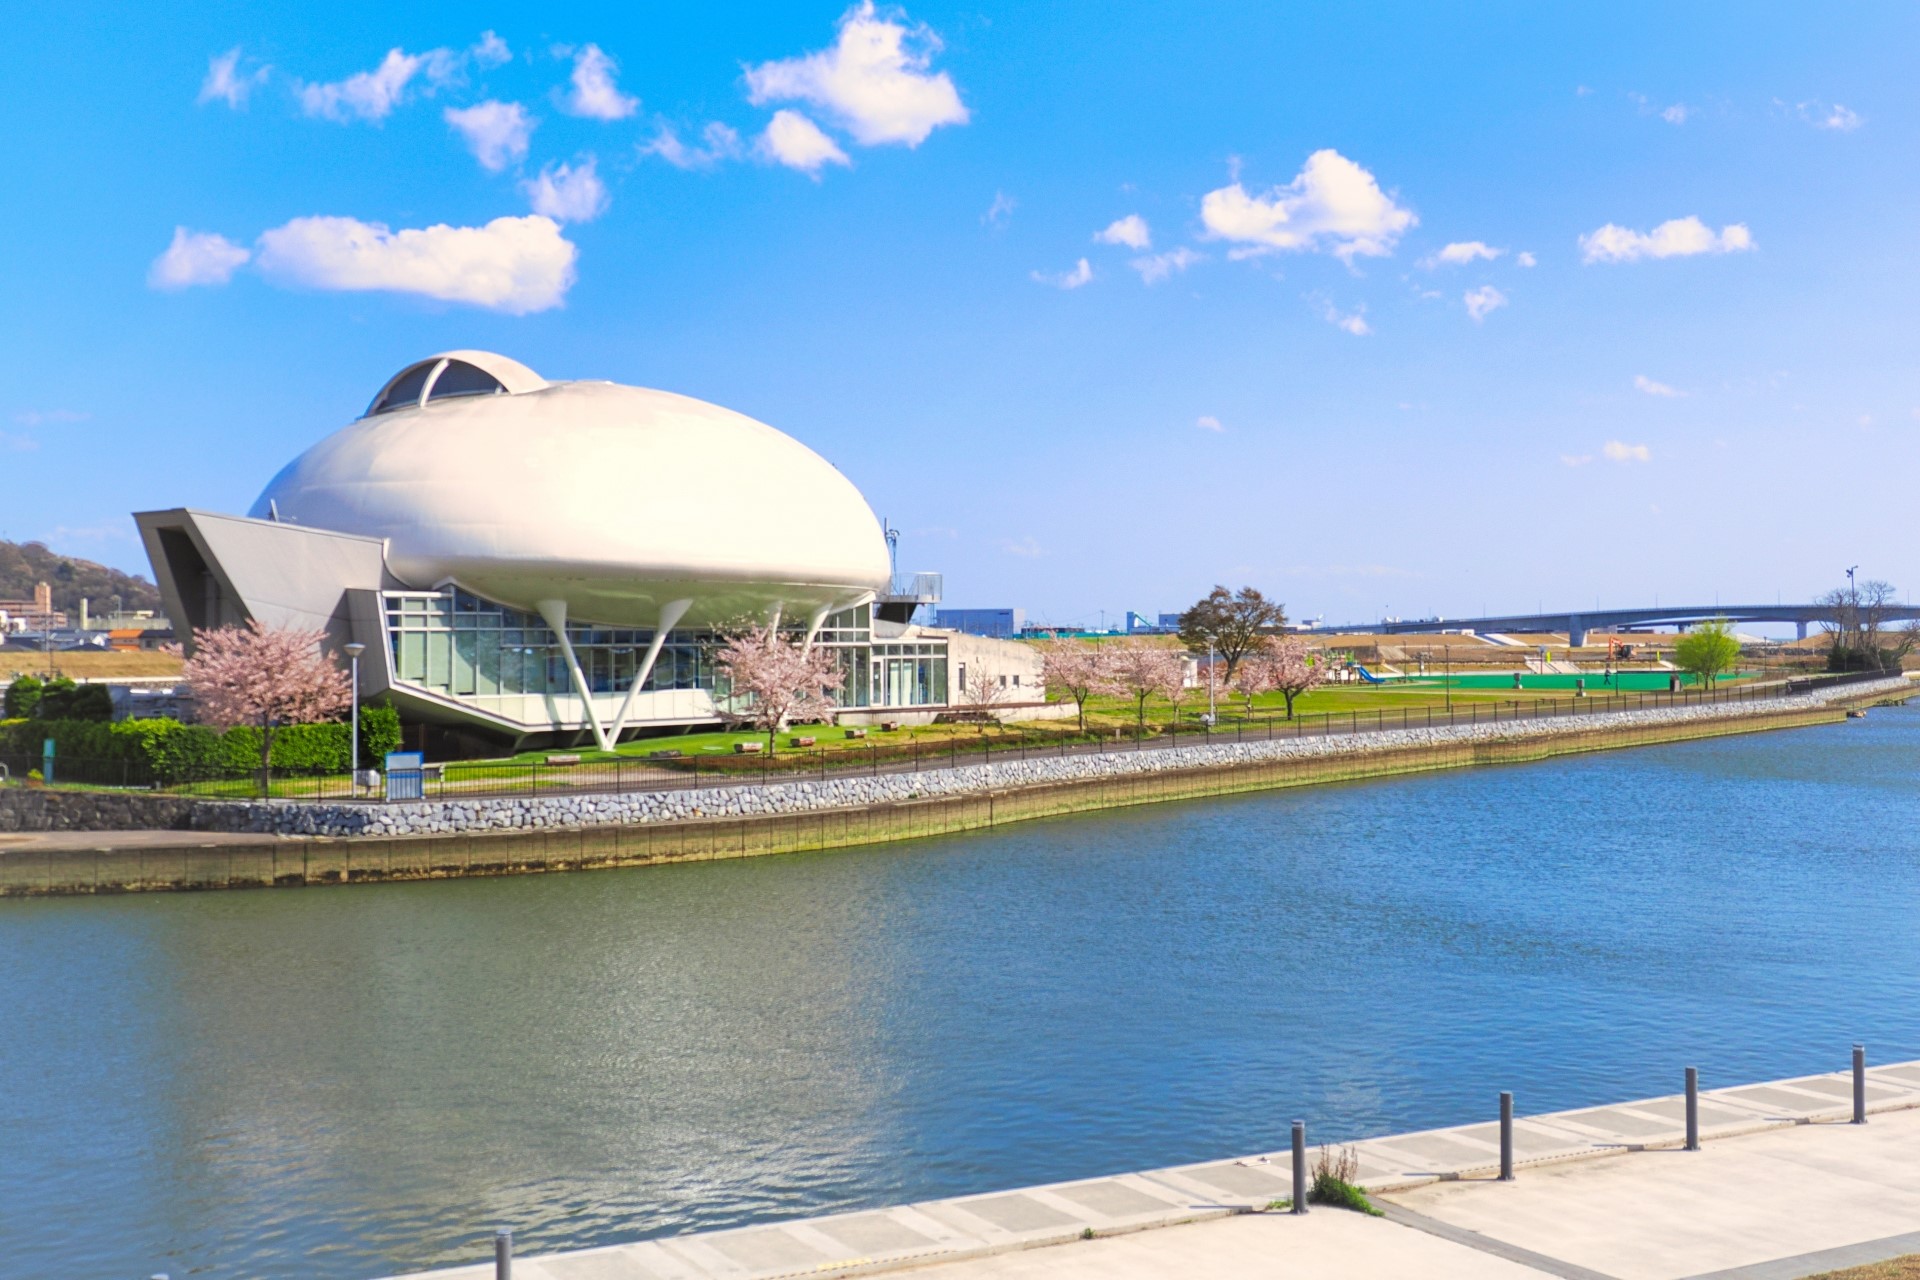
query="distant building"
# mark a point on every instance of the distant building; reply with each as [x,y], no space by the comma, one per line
[37,614]
[998,624]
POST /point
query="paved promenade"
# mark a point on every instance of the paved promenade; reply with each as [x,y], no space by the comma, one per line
[1782,1188]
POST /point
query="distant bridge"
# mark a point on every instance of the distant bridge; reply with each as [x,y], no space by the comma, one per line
[1577,624]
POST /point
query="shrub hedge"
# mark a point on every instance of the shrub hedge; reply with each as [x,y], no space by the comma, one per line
[173,752]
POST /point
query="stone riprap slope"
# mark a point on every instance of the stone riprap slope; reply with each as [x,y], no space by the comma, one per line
[506,813]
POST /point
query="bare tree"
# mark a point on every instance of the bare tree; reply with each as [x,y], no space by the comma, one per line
[1232,621]
[779,680]
[1146,670]
[1858,624]
[264,676]
[1078,669]
[985,686]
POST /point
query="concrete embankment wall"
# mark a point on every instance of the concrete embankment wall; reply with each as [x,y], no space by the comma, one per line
[303,860]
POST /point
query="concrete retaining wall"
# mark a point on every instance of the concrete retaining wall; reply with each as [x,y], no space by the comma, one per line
[452,816]
[308,860]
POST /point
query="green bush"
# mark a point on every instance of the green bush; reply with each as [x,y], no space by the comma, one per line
[64,700]
[379,734]
[23,696]
[173,752]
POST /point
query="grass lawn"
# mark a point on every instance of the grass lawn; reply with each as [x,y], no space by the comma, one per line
[1108,717]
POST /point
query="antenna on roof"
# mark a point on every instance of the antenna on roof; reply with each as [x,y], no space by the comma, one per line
[893,548]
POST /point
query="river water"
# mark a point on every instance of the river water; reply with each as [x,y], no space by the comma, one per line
[350,1082]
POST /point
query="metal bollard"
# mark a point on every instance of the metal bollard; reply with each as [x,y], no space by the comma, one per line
[1506,1136]
[503,1255]
[1299,1166]
[1859,1084]
[1693,1108]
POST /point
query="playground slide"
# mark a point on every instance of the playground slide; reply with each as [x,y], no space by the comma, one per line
[1367,675]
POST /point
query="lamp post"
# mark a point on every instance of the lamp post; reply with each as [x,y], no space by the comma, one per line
[354,651]
[1212,713]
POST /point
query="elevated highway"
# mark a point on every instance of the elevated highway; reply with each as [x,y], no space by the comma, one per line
[1577,623]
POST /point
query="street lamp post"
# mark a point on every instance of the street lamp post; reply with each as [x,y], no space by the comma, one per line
[1212,713]
[354,651]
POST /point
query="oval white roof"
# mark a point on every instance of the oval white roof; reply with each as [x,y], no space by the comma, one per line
[616,499]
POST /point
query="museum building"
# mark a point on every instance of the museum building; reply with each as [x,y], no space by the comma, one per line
[531,562]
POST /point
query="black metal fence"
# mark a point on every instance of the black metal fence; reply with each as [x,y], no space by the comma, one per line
[486,778]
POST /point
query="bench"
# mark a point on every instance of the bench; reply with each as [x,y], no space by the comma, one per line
[856,733]
[748,748]
[802,741]
[564,759]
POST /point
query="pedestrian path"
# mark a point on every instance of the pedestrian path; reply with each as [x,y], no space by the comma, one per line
[1798,1184]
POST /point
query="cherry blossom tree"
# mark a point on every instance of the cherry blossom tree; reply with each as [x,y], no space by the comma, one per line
[1078,669]
[1295,668]
[1256,674]
[1144,670]
[266,677]
[985,686]
[777,679]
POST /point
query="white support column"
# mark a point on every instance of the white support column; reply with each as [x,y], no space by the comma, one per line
[670,614]
[813,626]
[555,614]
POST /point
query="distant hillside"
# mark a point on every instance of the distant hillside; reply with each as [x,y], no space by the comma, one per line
[22,564]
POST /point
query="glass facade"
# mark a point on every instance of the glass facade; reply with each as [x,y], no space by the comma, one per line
[459,645]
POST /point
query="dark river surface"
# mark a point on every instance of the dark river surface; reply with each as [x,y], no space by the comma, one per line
[344,1083]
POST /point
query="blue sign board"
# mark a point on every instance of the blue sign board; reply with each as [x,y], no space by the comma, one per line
[406,775]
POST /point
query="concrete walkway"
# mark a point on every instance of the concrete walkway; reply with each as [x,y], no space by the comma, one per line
[1783,1188]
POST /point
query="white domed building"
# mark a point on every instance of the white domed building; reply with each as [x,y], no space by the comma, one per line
[536,561]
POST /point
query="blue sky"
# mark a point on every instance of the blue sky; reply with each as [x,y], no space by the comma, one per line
[1687,368]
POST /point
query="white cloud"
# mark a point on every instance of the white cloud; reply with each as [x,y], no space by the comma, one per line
[1462,252]
[516,265]
[1677,238]
[1822,115]
[594,93]
[1000,212]
[1130,231]
[1676,114]
[1353,322]
[496,132]
[797,142]
[1207,422]
[367,95]
[1156,267]
[1618,451]
[1484,301]
[491,51]
[1525,259]
[41,417]
[719,142]
[873,82]
[1082,273]
[196,257]
[1647,385]
[568,193]
[1840,118]
[1025,547]
[1333,202]
[225,83]
[1575,459]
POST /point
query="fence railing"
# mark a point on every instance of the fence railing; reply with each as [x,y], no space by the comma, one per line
[485,778]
